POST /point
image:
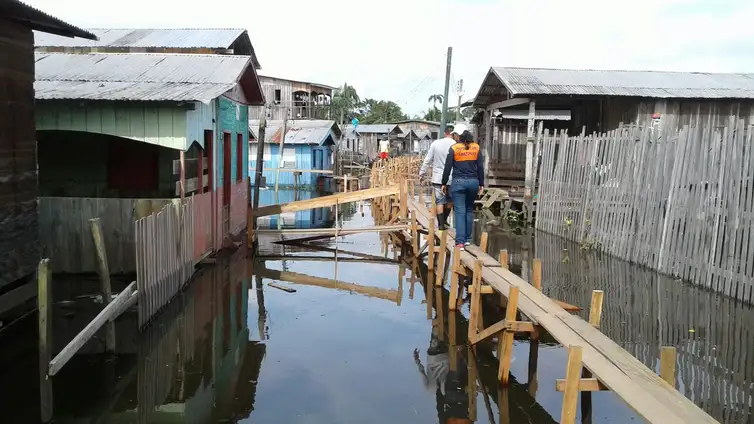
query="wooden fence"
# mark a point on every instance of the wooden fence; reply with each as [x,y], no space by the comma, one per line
[644,310]
[66,234]
[164,256]
[202,205]
[680,202]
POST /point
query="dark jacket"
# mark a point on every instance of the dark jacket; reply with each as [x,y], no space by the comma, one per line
[466,163]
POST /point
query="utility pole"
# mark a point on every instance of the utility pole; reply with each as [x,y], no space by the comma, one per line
[443,115]
[459,91]
[259,169]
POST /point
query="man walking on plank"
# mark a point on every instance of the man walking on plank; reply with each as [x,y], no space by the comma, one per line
[435,158]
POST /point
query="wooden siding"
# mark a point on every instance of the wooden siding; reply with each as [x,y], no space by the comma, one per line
[66,235]
[161,125]
[198,120]
[304,160]
[19,236]
[287,89]
[239,206]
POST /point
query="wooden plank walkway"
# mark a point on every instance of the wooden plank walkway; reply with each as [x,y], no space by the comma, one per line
[645,392]
[607,366]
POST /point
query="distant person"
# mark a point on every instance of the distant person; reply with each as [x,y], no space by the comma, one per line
[466,163]
[384,149]
[435,158]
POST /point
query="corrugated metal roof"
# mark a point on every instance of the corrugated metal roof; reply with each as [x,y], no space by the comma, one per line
[36,19]
[657,84]
[301,132]
[136,76]
[375,128]
[164,37]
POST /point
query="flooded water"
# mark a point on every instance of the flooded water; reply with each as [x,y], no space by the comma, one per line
[363,340]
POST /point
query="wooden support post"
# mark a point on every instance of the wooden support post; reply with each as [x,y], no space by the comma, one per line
[536,278]
[421,195]
[505,340]
[44,305]
[453,303]
[475,307]
[595,311]
[667,364]
[104,277]
[503,406]
[472,383]
[536,273]
[440,312]
[430,296]
[441,262]
[403,201]
[571,389]
[431,247]
[483,242]
[503,259]
[414,234]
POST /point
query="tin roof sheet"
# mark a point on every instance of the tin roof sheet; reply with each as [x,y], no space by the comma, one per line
[298,132]
[163,37]
[41,21]
[657,84]
[136,76]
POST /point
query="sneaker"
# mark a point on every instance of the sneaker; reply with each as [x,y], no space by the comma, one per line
[459,245]
[468,243]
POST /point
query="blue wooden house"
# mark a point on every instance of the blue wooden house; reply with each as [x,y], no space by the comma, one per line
[308,147]
[114,129]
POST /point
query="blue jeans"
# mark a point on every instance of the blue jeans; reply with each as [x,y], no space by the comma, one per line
[464,192]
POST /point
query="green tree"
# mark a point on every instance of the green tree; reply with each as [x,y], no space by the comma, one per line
[468,112]
[435,99]
[373,111]
[433,114]
[345,103]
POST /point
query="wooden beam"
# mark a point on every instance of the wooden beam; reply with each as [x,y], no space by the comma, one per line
[571,386]
[107,314]
[667,365]
[485,289]
[507,103]
[303,171]
[104,275]
[585,385]
[326,201]
[512,326]
[340,231]
[308,280]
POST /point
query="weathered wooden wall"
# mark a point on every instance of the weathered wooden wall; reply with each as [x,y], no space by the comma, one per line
[66,235]
[19,239]
[680,202]
[286,104]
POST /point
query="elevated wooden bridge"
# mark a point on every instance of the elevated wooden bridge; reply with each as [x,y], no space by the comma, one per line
[595,362]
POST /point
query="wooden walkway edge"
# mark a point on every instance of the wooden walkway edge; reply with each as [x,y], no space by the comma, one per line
[645,392]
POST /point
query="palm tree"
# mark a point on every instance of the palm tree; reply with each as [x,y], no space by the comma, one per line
[345,101]
[434,99]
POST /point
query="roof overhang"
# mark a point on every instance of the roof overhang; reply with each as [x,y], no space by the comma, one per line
[252,88]
[491,90]
[33,18]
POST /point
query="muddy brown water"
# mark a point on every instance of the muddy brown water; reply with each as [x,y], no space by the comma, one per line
[232,349]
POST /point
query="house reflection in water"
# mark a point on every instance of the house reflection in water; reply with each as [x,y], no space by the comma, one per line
[194,361]
[311,218]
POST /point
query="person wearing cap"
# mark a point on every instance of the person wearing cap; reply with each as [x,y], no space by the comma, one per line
[435,158]
[465,161]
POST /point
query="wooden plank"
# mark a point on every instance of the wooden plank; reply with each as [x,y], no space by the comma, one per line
[325,201]
[585,385]
[645,392]
[308,280]
[340,231]
[104,275]
[303,171]
[80,339]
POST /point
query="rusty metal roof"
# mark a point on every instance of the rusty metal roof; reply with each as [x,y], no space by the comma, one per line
[302,132]
[656,84]
[36,19]
[136,76]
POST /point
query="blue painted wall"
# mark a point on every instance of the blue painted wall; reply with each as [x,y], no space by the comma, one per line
[305,158]
[234,118]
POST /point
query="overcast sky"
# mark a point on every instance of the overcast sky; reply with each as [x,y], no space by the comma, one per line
[395,49]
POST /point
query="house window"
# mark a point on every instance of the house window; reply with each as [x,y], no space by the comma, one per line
[239,158]
[434,135]
[278,95]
